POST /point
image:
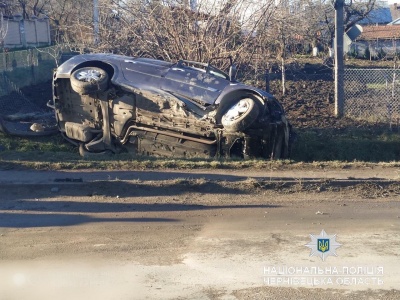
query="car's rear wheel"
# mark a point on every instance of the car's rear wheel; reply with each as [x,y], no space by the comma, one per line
[89,80]
[240,116]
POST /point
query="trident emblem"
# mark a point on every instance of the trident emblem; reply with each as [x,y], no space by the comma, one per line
[323,245]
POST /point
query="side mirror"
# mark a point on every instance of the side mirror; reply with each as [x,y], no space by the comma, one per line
[232,72]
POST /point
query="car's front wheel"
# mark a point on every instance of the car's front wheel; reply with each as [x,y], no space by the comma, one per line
[89,80]
[240,116]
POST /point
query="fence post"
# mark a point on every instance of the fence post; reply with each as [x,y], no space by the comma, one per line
[31,66]
[35,24]
[21,29]
[47,20]
[339,66]
[96,21]
[267,78]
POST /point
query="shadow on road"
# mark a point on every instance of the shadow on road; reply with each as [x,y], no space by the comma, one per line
[58,213]
[28,220]
[102,207]
[116,188]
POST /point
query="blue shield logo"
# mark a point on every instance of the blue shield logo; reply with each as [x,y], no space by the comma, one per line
[323,245]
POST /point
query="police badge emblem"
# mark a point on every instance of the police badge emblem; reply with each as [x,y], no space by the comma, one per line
[323,245]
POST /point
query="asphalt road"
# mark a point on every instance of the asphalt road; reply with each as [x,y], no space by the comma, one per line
[199,235]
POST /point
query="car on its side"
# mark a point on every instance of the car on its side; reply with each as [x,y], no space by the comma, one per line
[108,102]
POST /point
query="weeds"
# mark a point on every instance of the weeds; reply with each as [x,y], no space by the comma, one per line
[347,146]
[314,149]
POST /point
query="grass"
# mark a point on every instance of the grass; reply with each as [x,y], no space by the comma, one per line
[361,145]
[313,149]
[378,86]
[53,143]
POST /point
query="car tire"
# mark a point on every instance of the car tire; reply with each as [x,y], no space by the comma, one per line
[240,115]
[89,80]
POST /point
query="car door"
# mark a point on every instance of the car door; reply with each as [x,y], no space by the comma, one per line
[144,73]
[193,84]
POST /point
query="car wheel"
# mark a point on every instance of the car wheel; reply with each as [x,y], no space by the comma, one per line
[240,116]
[89,80]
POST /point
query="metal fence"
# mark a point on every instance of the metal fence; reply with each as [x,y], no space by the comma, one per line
[16,102]
[372,94]
[19,69]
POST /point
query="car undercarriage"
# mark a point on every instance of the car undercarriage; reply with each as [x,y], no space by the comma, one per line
[101,115]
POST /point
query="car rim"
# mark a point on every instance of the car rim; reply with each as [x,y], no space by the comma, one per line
[236,111]
[89,75]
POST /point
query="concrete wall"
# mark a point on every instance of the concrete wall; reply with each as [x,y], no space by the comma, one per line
[20,33]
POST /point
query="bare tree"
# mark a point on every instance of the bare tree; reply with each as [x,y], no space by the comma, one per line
[30,8]
[252,32]
[357,11]
[8,7]
[72,21]
[174,31]
[281,35]
[354,12]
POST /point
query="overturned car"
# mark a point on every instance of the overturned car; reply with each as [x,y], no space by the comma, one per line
[107,102]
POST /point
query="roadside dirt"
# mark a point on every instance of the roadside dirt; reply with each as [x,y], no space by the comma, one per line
[310,105]
[194,234]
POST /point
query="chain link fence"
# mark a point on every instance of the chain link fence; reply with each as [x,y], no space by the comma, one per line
[372,94]
[21,69]
[25,88]
[15,102]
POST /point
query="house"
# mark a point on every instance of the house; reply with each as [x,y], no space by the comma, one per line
[380,35]
[381,41]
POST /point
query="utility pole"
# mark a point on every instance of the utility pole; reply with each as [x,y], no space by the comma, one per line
[339,65]
[96,21]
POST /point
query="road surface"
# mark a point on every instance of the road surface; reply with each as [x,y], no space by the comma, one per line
[210,234]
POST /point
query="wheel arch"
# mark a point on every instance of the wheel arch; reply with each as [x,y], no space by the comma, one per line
[111,70]
[228,99]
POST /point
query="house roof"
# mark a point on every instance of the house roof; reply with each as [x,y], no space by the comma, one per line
[383,32]
[380,15]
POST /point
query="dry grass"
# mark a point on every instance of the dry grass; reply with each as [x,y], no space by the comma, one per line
[311,151]
[145,163]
